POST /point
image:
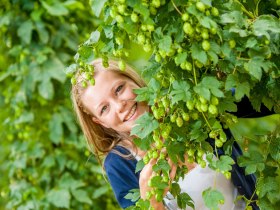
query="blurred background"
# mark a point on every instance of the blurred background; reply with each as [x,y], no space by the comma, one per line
[44,161]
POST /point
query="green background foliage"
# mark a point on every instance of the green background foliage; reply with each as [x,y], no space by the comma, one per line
[44,162]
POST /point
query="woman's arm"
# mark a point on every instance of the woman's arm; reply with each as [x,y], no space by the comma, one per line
[145,175]
[121,174]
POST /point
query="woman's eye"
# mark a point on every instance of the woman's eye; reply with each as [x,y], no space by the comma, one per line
[119,88]
[104,108]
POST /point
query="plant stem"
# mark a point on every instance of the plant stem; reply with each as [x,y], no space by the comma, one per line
[194,74]
[208,124]
[176,7]
[245,10]
[257,8]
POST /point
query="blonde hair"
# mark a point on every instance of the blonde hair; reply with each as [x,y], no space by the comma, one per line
[100,139]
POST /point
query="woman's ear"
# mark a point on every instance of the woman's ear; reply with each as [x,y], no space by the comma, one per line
[97,121]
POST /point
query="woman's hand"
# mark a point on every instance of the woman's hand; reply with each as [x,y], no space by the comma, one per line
[146,174]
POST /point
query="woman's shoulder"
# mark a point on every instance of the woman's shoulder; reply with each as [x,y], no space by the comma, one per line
[118,155]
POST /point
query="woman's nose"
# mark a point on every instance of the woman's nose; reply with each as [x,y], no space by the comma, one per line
[120,105]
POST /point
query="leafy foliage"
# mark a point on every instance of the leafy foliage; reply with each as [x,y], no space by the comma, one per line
[212,198]
[44,162]
[205,56]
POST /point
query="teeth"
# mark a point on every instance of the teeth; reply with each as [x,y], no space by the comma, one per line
[131,113]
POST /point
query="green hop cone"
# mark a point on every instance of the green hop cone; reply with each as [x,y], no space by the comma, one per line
[122,65]
[179,122]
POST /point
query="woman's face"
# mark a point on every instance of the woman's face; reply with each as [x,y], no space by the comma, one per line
[111,101]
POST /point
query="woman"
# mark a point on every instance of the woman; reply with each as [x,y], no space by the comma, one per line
[107,112]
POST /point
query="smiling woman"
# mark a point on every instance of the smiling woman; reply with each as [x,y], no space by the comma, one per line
[107,110]
[111,101]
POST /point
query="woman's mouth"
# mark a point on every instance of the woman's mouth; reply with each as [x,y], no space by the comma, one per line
[131,113]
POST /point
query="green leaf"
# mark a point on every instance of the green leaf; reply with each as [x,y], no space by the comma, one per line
[133,195]
[68,119]
[256,65]
[165,43]
[59,198]
[94,37]
[253,162]
[265,24]
[215,47]
[97,6]
[69,70]
[68,182]
[143,143]
[74,5]
[56,128]
[198,53]
[156,181]
[207,22]
[53,68]
[46,89]
[184,200]
[139,166]
[145,205]
[108,31]
[174,149]
[161,165]
[85,52]
[275,148]
[239,31]
[81,196]
[101,191]
[25,31]
[241,90]
[227,103]
[129,26]
[49,162]
[26,117]
[197,133]
[175,189]
[226,50]
[144,125]
[139,8]
[213,85]
[232,17]
[42,32]
[148,93]
[212,198]
[180,92]
[207,2]
[251,42]
[231,82]
[266,204]
[180,58]
[268,185]
[202,91]
[213,56]
[56,9]
[207,86]
[224,163]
